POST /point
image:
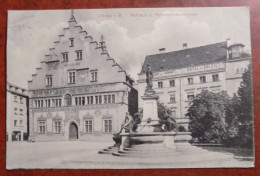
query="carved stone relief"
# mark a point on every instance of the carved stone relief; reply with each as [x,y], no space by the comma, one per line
[78,90]
[49,115]
[88,116]
[83,76]
[107,115]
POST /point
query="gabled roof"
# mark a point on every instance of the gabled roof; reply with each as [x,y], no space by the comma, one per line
[186,57]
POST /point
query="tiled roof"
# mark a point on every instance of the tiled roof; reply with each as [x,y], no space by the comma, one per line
[186,57]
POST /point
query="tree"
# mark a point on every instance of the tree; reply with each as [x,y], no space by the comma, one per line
[232,130]
[207,117]
[244,109]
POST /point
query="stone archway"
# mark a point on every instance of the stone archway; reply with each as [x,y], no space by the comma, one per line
[73,131]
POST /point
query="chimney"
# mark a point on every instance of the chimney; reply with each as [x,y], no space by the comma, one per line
[103,44]
[228,44]
[162,50]
[185,45]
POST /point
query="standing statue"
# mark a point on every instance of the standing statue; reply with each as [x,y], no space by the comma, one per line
[149,77]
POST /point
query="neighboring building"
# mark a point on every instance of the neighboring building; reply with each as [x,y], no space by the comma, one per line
[16,113]
[180,75]
[79,92]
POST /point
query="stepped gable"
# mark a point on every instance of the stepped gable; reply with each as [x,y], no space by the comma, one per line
[55,55]
[186,57]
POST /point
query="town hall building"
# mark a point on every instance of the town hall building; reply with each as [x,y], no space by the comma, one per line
[79,92]
[180,75]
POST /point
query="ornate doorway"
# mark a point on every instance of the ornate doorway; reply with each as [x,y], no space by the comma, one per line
[73,131]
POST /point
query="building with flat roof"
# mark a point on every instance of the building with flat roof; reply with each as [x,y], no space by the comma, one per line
[79,92]
[16,113]
[180,75]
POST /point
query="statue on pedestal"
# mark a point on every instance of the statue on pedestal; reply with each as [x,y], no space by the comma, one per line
[149,77]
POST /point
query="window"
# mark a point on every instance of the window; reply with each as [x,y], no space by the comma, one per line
[88,99]
[47,103]
[105,99]
[113,98]
[65,57]
[172,99]
[15,98]
[21,111]
[215,78]
[57,127]
[49,81]
[21,100]
[190,80]
[100,99]
[39,104]
[56,102]
[107,126]
[71,42]
[79,55]
[83,100]
[72,77]
[91,100]
[240,70]
[67,100]
[21,122]
[88,126]
[15,123]
[160,84]
[96,99]
[94,76]
[172,83]
[202,79]
[79,100]
[109,99]
[190,97]
[15,111]
[76,100]
[41,126]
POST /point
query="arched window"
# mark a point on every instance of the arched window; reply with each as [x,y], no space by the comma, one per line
[67,100]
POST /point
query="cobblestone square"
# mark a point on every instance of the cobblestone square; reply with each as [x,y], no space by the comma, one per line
[84,155]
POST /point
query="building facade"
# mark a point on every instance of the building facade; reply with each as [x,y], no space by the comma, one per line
[79,92]
[180,75]
[16,113]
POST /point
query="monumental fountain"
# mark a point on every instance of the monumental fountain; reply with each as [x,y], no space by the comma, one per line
[155,147]
[149,134]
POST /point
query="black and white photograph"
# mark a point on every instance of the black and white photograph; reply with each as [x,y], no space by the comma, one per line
[129,88]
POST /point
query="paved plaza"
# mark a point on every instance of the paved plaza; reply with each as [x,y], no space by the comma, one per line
[84,154]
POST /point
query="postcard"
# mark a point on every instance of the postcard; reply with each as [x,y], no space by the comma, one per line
[129,88]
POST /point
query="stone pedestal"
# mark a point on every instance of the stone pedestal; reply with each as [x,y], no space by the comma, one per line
[150,109]
[125,141]
[150,112]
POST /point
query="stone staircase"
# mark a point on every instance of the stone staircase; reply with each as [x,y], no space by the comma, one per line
[158,150]
[108,150]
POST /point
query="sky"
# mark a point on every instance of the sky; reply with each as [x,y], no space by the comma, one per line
[130,34]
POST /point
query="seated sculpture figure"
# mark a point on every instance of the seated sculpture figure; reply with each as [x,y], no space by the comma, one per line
[127,125]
